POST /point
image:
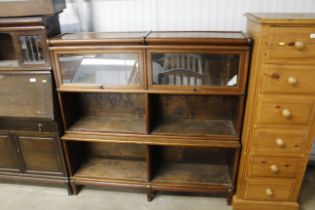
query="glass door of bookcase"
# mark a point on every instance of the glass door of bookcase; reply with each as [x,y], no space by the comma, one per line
[196,70]
[101,70]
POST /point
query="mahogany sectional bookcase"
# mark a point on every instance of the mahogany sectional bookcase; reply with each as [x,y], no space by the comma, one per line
[154,111]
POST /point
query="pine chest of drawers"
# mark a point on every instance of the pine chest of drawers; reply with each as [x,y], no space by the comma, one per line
[279,120]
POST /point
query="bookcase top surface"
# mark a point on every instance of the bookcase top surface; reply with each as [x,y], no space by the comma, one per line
[163,37]
[282,18]
[99,37]
[195,37]
[197,34]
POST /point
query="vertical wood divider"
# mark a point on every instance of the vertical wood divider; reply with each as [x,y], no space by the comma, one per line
[63,118]
[66,151]
[147,114]
[149,172]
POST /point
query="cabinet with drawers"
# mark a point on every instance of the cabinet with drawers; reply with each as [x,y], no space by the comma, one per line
[279,122]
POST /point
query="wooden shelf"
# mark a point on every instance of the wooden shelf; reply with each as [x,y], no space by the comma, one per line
[109,124]
[195,127]
[193,174]
[215,141]
[120,169]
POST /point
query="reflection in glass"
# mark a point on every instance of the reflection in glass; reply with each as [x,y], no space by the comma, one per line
[100,69]
[195,69]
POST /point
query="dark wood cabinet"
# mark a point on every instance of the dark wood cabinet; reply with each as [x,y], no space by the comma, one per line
[30,148]
[156,111]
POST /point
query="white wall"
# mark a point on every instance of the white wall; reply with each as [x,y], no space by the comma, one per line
[143,15]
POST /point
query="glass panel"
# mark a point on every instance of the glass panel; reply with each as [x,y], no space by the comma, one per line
[195,69]
[7,53]
[31,49]
[100,69]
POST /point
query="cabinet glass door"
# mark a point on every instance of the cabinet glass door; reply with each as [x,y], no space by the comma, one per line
[190,70]
[26,94]
[8,156]
[101,70]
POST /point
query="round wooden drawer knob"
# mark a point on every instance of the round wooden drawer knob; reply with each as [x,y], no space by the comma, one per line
[269,192]
[286,113]
[292,81]
[299,45]
[274,168]
[279,142]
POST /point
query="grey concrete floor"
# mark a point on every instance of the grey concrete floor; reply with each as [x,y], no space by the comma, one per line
[27,197]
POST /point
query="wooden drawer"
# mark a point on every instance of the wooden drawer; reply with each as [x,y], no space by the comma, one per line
[279,141]
[263,166]
[288,79]
[290,42]
[269,189]
[28,125]
[284,112]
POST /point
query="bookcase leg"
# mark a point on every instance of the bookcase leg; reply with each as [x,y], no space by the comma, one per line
[229,196]
[74,188]
[150,193]
[69,189]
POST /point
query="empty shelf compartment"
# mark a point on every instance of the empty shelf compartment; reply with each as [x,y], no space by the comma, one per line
[105,112]
[108,161]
